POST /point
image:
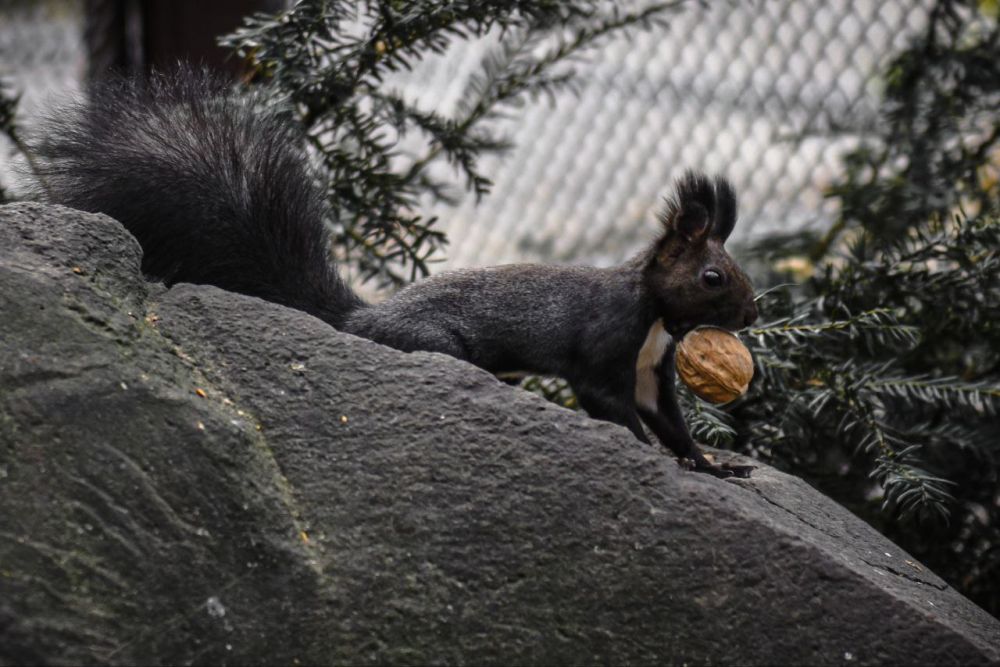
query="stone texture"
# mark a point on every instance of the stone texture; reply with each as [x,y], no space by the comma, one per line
[196,476]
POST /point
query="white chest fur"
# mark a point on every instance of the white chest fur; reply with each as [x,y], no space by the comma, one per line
[647,387]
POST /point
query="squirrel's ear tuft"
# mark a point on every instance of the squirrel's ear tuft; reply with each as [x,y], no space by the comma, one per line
[689,212]
[725,209]
[692,223]
[700,207]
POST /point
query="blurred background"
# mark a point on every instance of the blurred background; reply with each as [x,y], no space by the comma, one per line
[771,94]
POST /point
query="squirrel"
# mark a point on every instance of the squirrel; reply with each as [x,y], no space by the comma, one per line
[219,191]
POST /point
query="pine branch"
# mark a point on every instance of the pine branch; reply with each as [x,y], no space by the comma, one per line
[880,322]
[982,398]
[911,490]
[708,423]
[327,62]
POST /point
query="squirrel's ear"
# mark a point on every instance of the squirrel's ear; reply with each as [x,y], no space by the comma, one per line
[691,223]
[688,213]
[682,229]
[725,209]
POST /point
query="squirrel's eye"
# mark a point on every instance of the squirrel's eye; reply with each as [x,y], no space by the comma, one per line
[712,278]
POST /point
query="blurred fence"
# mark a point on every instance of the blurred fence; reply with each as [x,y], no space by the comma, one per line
[770,93]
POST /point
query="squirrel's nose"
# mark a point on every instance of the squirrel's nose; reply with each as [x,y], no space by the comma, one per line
[750,316]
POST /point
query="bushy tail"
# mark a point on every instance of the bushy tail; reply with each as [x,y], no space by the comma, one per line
[216,190]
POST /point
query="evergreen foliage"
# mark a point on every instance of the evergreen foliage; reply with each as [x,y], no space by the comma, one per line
[329,61]
[879,377]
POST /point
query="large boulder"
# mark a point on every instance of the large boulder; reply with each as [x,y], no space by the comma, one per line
[189,475]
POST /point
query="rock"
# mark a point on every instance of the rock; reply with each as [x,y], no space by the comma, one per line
[189,475]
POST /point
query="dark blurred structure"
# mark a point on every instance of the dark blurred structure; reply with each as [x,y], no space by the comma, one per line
[134,35]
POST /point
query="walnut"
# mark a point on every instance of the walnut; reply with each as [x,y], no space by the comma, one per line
[714,364]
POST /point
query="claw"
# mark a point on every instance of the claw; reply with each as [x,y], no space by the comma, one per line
[718,471]
[742,472]
[723,471]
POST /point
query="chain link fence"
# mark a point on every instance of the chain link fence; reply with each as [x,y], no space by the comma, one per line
[769,93]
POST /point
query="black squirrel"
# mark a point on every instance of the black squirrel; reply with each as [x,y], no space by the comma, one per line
[218,191]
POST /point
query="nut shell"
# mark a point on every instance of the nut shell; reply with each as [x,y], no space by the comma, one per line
[714,364]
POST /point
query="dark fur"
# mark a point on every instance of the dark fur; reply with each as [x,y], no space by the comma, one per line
[217,192]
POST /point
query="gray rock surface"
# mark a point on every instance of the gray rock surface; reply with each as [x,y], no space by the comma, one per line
[196,476]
